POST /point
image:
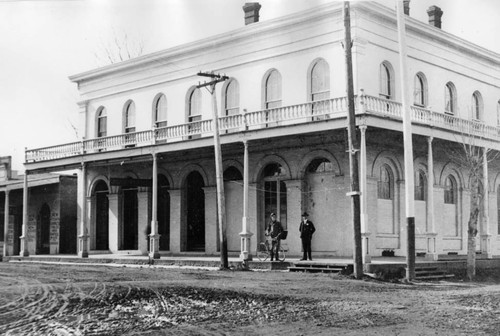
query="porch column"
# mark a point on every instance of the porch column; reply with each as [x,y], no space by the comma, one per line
[365,230]
[83,238]
[485,230]
[6,224]
[24,252]
[245,234]
[154,237]
[431,226]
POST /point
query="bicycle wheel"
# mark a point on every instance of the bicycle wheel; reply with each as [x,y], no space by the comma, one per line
[262,252]
[281,254]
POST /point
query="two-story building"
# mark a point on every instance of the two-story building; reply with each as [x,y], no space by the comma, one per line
[147,156]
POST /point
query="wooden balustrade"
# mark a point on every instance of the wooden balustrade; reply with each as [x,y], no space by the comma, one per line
[286,115]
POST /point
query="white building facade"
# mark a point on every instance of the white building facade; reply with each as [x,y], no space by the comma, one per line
[147,158]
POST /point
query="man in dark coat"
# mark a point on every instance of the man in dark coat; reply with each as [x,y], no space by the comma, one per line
[306,231]
[274,230]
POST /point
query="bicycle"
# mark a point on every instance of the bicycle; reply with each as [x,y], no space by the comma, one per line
[264,249]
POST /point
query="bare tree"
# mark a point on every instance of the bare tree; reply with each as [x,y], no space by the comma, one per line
[120,48]
[472,157]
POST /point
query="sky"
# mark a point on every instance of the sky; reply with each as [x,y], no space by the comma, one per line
[43,42]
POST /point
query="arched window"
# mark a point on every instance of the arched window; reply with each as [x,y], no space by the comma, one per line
[102,118]
[232,174]
[194,112]
[275,193]
[384,184]
[160,111]
[320,166]
[420,93]
[477,106]
[450,190]
[320,81]
[273,90]
[232,98]
[386,81]
[129,117]
[450,99]
[420,183]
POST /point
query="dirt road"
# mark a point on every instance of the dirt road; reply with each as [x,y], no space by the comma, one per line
[55,299]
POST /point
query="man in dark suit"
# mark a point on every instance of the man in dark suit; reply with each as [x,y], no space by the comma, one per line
[306,231]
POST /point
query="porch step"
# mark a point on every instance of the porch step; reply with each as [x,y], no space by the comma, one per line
[312,267]
[431,273]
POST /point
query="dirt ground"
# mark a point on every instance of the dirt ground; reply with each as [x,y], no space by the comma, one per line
[62,299]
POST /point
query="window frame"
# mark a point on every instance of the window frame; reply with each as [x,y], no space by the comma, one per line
[450,98]
[157,111]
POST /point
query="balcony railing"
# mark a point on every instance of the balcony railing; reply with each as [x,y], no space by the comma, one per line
[287,115]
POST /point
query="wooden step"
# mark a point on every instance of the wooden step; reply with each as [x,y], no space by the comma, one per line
[315,269]
[435,277]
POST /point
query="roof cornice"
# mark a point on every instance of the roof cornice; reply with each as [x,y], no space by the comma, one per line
[220,40]
[428,31]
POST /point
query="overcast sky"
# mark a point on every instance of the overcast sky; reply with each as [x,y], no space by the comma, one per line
[43,42]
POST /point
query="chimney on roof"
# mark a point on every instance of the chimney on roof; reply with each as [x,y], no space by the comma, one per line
[435,13]
[406,7]
[251,10]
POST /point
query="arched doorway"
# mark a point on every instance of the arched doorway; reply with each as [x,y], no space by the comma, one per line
[323,201]
[102,216]
[129,234]
[163,213]
[195,212]
[233,189]
[43,230]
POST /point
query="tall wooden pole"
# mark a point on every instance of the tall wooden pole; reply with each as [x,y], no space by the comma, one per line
[353,149]
[221,201]
[408,147]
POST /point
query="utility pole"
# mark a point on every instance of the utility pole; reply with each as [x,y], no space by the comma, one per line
[408,147]
[221,202]
[353,148]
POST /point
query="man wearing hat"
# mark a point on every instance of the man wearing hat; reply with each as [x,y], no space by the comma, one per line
[306,229]
[274,230]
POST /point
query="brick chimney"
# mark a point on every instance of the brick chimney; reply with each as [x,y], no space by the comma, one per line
[251,10]
[406,7]
[435,13]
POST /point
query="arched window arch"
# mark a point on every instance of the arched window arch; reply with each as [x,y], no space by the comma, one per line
[385,183]
[420,184]
[450,190]
[420,93]
[272,90]
[232,98]
[320,80]
[386,81]
[194,111]
[450,98]
[129,117]
[320,165]
[102,122]
[477,106]
[160,110]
